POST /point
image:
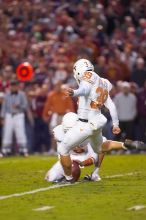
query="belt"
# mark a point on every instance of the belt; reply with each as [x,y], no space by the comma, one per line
[83,120]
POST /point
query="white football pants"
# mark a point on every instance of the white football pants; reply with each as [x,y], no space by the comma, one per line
[80,132]
[14,124]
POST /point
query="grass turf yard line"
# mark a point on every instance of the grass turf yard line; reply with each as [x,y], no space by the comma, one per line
[36,191]
[44,208]
[121,175]
[105,200]
[136,207]
[58,186]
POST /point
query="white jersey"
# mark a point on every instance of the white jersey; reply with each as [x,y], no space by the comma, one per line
[93,93]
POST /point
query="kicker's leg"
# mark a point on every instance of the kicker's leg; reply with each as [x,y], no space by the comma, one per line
[112,145]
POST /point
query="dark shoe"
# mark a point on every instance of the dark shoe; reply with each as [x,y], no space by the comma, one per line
[24,154]
[134,145]
[6,154]
[87,177]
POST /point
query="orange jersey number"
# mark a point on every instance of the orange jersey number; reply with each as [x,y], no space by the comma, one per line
[87,76]
[102,97]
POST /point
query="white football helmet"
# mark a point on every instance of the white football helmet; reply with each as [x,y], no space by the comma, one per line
[69,120]
[80,67]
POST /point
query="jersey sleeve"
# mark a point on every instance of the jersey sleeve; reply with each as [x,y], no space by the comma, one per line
[113,111]
[110,86]
[84,89]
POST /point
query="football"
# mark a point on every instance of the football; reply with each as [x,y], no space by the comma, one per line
[76,171]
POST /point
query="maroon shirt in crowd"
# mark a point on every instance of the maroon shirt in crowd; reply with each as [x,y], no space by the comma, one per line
[142,103]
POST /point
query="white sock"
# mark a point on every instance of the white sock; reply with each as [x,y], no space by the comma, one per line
[95,171]
[125,148]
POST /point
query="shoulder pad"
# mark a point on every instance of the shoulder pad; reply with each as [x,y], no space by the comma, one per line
[109,85]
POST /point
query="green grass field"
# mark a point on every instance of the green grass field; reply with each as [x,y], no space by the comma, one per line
[108,199]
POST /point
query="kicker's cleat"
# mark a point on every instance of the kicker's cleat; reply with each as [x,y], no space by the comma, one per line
[95,177]
[134,145]
[92,177]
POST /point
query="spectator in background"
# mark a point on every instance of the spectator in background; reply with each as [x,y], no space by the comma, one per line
[52,35]
[13,114]
[134,88]
[7,74]
[29,122]
[60,73]
[56,105]
[141,105]
[41,130]
[128,55]
[139,74]
[113,70]
[126,104]
[1,101]
[100,66]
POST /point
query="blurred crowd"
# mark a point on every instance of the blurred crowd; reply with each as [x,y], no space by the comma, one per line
[51,36]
